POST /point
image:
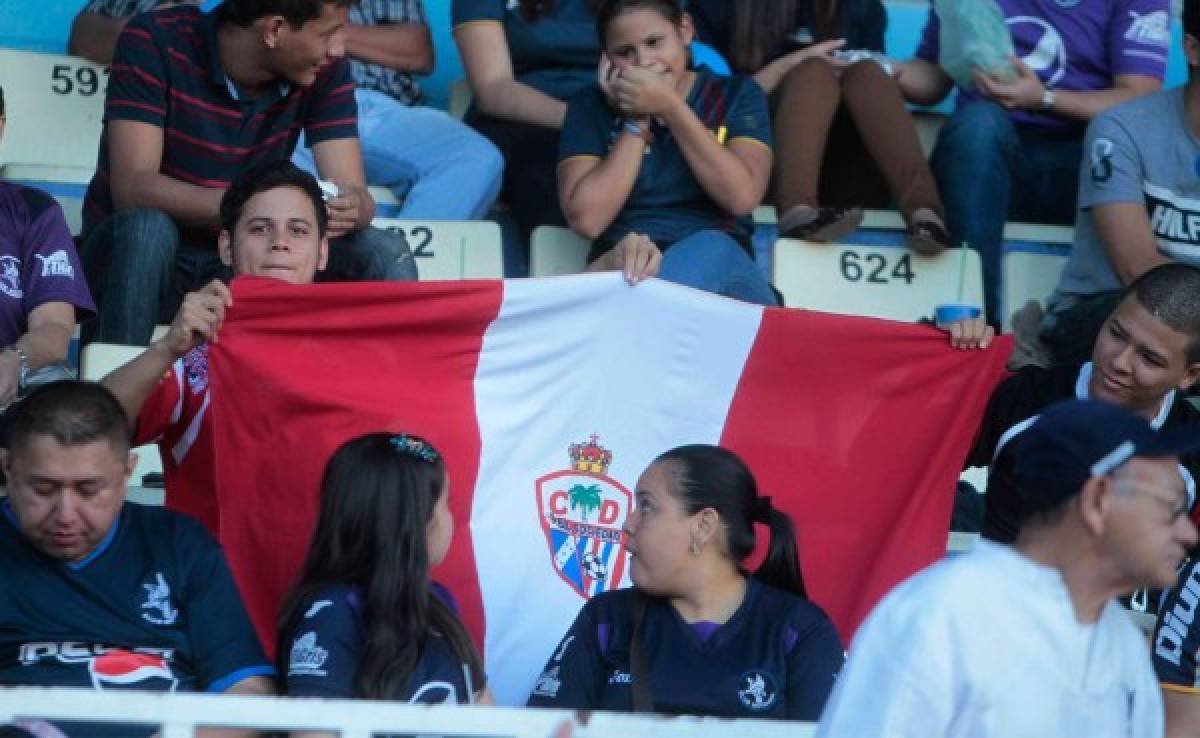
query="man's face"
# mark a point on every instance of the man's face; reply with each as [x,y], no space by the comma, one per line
[1149,531]
[1137,359]
[299,53]
[66,498]
[276,236]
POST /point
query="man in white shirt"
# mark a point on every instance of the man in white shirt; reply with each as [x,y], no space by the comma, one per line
[1028,640]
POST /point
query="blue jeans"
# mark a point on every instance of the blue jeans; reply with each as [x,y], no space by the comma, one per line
[714,262]
[437,166]
[989,170]
[139,271]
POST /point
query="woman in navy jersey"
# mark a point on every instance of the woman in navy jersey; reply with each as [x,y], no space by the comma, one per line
[660,164]
[698,634]
[364,619]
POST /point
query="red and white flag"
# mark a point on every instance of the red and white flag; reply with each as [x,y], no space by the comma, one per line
[549,397]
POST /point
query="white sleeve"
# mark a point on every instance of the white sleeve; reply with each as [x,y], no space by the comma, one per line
[899,680]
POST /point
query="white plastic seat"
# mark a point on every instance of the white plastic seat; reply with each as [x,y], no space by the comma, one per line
[877,281]
[55,111]
[1034,257]
[554,251]
[451,249]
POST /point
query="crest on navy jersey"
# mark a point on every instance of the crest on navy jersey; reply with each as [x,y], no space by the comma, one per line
[582,511]
[157,607]
[757,690]
[10,276]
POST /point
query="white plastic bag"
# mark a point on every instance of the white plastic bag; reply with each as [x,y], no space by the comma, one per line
[973,35]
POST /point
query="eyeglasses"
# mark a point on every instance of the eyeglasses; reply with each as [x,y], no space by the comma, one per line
[1175,508]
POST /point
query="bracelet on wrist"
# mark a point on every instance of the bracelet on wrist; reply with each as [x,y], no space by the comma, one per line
[632,126]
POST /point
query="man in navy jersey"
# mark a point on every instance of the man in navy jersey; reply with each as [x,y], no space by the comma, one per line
[193,99]
[96,592]
[1177,651]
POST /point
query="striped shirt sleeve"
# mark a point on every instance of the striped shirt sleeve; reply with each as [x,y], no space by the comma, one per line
[331,112]
[137,88]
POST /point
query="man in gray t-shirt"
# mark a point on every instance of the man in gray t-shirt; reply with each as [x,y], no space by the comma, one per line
[1139,204]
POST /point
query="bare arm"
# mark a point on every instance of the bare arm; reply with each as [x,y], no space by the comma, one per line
[405,47]
[255,686]
[135,155]
[770,76]
[1026,93]
[592,191]
[46,340]
[340,160]
[734,175]
[923,83]
[1128,239]
[198,320]
[94,36]
[498,93]
[1182,714]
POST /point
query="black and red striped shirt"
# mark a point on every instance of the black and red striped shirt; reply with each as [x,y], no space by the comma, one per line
[166,72]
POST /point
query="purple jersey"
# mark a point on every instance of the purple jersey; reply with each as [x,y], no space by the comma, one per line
[38,263]
[1077,44]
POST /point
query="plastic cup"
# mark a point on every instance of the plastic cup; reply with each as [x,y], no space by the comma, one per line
[944,315]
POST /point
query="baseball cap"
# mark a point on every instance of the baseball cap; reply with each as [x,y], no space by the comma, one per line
[1075,440]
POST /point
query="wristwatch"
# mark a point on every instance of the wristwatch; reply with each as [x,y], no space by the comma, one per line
[23,360]
[1048,100]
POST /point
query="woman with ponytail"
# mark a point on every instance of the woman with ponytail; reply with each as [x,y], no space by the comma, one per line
[364,619]
[698,634]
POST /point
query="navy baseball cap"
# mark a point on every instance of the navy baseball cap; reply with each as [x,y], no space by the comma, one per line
[1075,440]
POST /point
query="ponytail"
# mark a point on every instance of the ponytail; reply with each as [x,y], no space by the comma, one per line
[713,477]
[781,567]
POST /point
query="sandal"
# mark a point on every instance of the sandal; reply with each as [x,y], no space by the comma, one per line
[927,237]
[829,224]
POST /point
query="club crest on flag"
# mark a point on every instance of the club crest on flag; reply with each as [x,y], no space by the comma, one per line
[582,511]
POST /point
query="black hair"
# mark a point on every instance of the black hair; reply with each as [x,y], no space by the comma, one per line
[533,10]
[759,28]
[712,477]
[295,12]
[1,101]
[267,176]
[1191,18]
[72,412]
[608,11]
[376,502]
[1171,293]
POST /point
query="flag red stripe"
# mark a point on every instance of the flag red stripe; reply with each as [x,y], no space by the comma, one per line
[857,428]
[359,357]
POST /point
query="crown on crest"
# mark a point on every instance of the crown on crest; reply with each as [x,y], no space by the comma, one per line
[590,457]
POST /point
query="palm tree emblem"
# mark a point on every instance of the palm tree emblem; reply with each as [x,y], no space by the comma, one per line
[587,499]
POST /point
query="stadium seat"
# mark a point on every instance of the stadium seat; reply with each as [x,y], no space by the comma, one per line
[95,361]
[451,249]
[554,251]
[877,280]
[1034,257]
[55,110]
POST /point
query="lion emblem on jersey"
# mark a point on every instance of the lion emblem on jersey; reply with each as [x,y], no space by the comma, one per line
[758,691]
[582,511]
[158,602]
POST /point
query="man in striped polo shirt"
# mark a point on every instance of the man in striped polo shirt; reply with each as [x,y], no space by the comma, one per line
[193,99]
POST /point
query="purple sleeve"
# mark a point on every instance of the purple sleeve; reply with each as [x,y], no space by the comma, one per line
[52,269]
[929,49]
[1139,36]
